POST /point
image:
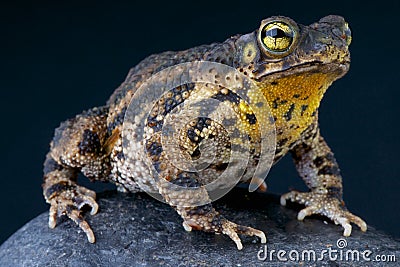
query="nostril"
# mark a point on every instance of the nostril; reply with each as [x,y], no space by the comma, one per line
[338,32]
[347,33]
[343,34]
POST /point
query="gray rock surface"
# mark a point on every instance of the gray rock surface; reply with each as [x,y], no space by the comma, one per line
[135,229]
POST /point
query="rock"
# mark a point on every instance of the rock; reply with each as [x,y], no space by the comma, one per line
[135,229]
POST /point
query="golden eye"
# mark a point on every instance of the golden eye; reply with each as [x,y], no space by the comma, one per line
[277,37]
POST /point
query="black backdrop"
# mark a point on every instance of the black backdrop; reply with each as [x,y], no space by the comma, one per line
[60,58]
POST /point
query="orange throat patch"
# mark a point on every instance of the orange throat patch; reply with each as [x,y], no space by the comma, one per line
[294,101]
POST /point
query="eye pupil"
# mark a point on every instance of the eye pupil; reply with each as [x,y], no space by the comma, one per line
[276,33]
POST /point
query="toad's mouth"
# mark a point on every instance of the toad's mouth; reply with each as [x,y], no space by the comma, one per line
[335,69]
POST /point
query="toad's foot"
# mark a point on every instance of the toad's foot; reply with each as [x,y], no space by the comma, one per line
[323,204]
[219,224]
[68,199]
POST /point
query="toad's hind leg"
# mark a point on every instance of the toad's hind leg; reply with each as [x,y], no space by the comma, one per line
[206,218]
[317,166]
[77,147]
[191,200]
[203,217]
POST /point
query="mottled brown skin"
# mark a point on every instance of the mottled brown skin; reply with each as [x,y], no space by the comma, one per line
[293,81]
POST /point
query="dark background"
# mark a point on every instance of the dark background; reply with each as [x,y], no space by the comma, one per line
[60,58]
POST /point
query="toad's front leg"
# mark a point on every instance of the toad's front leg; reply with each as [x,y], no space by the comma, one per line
[318,168]
[77,147]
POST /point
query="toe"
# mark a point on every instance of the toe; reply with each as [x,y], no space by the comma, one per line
[283,200]
[344,222]
[75,215]
[262,236]
[294,196]
[306,212]
[232,230]
[291,196]
[228,228]
[187,227]
[357,220]
[83,200]
[53,215]
[95,207]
